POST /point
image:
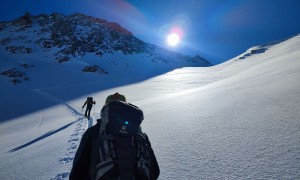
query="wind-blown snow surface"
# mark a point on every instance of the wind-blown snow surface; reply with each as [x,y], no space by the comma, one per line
[237,120]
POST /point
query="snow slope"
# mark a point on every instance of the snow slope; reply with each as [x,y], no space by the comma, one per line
[237,120]
[57,53]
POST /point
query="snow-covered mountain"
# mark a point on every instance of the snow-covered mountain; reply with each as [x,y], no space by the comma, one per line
[95,45]
[236,120]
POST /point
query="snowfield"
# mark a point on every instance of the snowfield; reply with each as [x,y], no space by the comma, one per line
[236,120]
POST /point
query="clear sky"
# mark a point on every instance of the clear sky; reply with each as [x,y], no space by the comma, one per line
[217,30]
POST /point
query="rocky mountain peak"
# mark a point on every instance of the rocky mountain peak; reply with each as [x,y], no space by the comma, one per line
[77,35]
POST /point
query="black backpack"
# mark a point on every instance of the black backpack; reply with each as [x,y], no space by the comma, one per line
[125,152]
[89,101]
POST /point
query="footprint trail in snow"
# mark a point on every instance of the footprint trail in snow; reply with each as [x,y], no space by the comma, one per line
[82,124]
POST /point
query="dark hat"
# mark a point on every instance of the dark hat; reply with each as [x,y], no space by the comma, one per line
[115,97]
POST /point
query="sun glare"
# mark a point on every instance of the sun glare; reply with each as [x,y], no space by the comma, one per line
[173,39]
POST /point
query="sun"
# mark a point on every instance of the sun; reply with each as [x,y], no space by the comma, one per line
[173,39]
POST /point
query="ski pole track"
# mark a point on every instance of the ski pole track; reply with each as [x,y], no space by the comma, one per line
[42,118]
[39,91]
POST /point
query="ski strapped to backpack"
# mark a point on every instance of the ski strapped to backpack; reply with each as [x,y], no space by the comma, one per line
[122,145]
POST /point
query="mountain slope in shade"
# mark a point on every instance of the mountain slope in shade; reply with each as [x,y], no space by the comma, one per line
[92,44]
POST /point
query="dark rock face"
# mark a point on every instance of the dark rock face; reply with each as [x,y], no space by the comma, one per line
[79,34]
[16,76]
[251,52]
[94,69]
[18,49]
[23,22]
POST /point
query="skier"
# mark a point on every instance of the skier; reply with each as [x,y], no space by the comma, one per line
[115,148]
[89,104]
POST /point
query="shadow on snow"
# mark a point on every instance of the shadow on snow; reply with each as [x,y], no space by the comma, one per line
[16,108]
[50,133]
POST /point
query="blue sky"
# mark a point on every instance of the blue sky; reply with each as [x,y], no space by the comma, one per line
[217,30]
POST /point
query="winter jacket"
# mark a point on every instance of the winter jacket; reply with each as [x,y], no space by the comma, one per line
[89,103]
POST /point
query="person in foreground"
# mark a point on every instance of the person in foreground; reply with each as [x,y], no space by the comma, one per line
[115,148]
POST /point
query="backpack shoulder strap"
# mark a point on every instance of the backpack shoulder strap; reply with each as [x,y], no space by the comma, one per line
[106,154]
[144,161]
[105,144]
[147,163]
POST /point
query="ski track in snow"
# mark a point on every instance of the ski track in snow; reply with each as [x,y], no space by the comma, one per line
[82,124]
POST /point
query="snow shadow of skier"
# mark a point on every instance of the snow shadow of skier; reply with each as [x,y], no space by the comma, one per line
[50,133]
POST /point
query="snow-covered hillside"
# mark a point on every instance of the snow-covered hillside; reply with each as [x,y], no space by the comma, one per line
[56,51]
[90,44]
[237,120]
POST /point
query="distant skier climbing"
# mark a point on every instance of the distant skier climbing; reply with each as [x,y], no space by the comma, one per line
[89,104]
